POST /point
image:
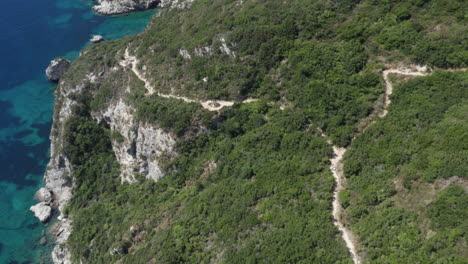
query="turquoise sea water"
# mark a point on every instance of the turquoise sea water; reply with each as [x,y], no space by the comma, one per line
[33,33]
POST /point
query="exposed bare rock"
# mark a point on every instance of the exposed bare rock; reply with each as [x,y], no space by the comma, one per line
[180,4]
[225,49]
[113,7]
[151,144]
[42,211]
[204,51]
[61,230]
[57,68]
[142,145]
[97,39]
[117,251]
[61,255]
[58,176]
[44,195]
[185,54]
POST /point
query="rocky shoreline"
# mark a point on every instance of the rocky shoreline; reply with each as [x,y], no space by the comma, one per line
[58,178]
[115,7]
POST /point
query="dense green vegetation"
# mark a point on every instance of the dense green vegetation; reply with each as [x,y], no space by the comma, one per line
[239,211]
[251,184]
[311,53]
[171,114]
[405,202]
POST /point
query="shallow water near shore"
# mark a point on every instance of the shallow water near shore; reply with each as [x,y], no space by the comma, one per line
[34,32]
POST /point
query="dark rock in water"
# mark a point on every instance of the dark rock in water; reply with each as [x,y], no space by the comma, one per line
[97,39]
[57,68]
[43,241]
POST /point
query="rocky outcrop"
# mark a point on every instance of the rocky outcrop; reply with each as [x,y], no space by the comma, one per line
[42,211]
[43,195]
[206,51]
[141,145]
[185,54]
[113,7]
[58,176]
[180,4]
[224,48]
[61,255]
[97,39]
[57,68]
[139,151]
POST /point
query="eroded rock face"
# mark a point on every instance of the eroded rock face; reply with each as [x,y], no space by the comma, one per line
[151,144]
[180,4]
[57,68]
[58,176]
[61,255]
[141,146]
[139,150]
[112,7]
[43,195]
[42,211]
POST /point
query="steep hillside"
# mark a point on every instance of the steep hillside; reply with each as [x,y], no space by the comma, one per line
[202,140]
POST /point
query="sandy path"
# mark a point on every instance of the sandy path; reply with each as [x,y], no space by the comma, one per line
[336,163]
[336,167]
[210,105]
[421,71]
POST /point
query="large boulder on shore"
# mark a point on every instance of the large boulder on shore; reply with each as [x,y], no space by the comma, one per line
[57,68]
[42,211]
[44,195]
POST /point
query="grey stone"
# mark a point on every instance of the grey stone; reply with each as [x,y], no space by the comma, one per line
[44,195]
[42,211]
[57,68]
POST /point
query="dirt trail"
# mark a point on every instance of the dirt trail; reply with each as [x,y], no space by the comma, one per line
[421,71]
[210,105]
[337,163]
[336,167]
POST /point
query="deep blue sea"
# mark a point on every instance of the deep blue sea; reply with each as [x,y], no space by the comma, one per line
[33,33]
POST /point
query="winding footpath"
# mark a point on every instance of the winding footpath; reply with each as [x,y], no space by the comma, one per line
[421,71]
[336,162]
[210,105]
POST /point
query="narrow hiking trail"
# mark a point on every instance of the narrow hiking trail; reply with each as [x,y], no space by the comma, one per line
[210,105]
[336,162]
[421,71]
